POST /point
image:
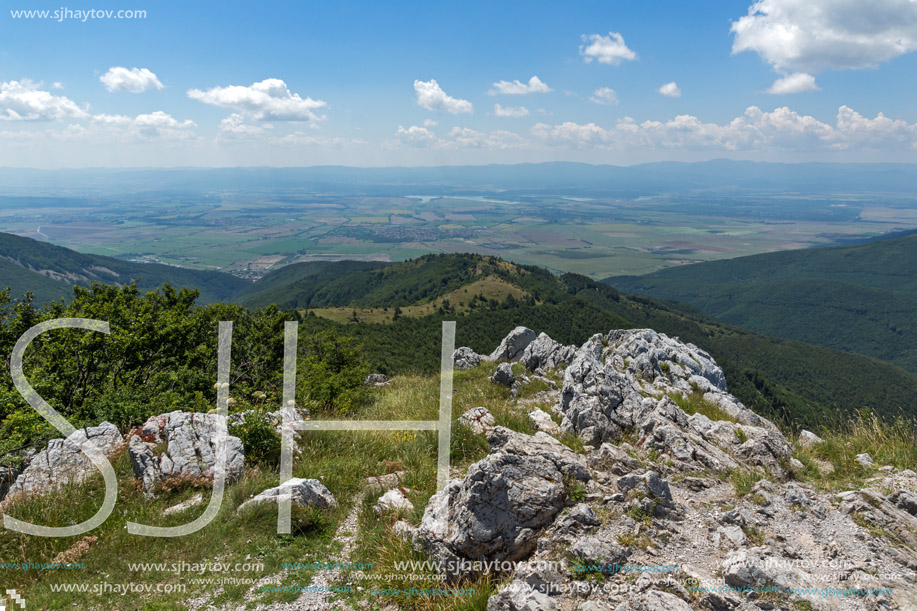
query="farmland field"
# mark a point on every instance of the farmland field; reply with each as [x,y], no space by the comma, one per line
[249,234]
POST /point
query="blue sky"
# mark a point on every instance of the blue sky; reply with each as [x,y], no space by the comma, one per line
[407,83]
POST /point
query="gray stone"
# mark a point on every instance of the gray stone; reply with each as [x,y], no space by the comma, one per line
[302,492]
[504,375]
[194,501]
[654,600]
[730,537]
[904,499]
[393,500]
[478,419]
[544,354]
[650,483]
[543,421]
[795,495]
[513,345]
[600,553]
[580,518]
[378,483]
[864,460]
[376,379]
[808,439]
[62,461]
[465,358]
[520,596]
[498,510]
[192,444]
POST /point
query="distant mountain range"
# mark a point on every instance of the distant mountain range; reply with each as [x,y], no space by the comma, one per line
[648,178]
[860,298]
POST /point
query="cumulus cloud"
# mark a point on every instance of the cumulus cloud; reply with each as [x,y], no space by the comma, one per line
[429,123]
[460,138]
[670,90]
[431,96]
[23,100]
[813,35]
[134,80]
[798,82]
[609,49]
[509,111]
[267,100]
[781,128]
[535,85]
[604,95]
[144,126]
[236,126]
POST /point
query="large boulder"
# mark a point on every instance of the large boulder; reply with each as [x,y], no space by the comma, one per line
[183,444]
[513,345]
[500,508]
[465,358]
[62,461]
[301,492]
[544,354]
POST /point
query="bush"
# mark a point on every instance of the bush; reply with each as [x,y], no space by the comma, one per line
[332,373]
[259,438]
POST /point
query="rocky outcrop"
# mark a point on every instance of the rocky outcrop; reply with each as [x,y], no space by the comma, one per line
[62,461]
[545,354]
[465,358]
[301,492]
[182,445]
[497,511]
[513,345]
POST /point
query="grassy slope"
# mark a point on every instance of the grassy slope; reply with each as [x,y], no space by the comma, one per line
[26,256]
[860,298]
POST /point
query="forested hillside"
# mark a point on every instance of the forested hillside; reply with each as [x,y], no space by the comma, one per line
[860,298]
[50,271]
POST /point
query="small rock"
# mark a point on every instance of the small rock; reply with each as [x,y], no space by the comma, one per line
[393,500]
[864,460]
[808,439]
[599,551]
[543,422]
[195,500]
[465,358]
[302,492]
[384,482]
[504,375]
[478,419]
[376,379]
[730,537]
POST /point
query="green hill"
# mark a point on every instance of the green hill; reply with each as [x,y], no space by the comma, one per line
[788,380]
[50,272]
[860,298]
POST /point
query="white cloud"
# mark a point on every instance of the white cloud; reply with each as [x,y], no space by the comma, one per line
[798,82]
[535,85]
[509,111]
[235,126]
[57,85]
[755,130]
[604,95]
[670,90]
[144,126]
[429,123]
[609,49]
[461,138]
[415,135]
[431,96]
[135,80]
[24,101]
[268,100]
[813,35]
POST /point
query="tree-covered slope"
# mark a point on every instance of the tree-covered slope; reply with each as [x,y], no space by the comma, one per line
[788,380]
[860,298]
[28,265]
